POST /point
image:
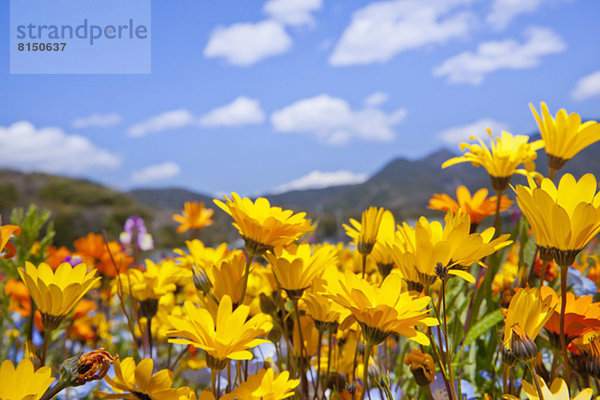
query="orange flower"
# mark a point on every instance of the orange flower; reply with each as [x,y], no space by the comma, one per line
[477,206]
[56,256]
[581,316]
[93,252]
[194,216]
[6,232]
[19,297]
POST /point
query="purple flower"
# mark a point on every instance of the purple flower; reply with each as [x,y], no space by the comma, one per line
[135,235]
[72,260]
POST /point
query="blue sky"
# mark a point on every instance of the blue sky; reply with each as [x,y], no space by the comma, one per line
[262,96]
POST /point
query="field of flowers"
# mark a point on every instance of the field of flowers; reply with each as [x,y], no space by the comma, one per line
[465,307]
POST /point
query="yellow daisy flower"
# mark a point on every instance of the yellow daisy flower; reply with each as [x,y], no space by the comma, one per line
[564,218]
[228,336]
[264,385]
[56,292]
[264,227]
[501,161]
[558,391]
[194,216]
[564,136]
[383,310]
[23,382]
[156,281]
[364,233]
[201,255]
[134,382]
[296,266]
[430,250]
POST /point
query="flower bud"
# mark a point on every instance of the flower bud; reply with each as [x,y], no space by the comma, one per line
[522,347]
[201,281]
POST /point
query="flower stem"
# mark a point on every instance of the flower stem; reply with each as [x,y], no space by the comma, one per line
[47,334]
[497,221]
[149,331]
[448,357]
[563,339]
[536,380]
[304,383]
[365,385]
[319,345]
[213,381]
[249,260]
[364,264]
[53,391]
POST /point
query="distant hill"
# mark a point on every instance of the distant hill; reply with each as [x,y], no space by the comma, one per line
[403,186]
[78,206]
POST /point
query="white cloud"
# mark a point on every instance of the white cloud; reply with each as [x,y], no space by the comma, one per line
[472,67]
[156,172]
[504,11]
[241,111]
[97,120]
[293,12]
[462,133]
[333,121]
[319,180]
[383,29]
[51,150]
[587,87]
[376,99]
[244,44]
[168,120]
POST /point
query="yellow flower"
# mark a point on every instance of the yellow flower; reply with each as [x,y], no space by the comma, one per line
[430,250]
[194,216]
[564,136]
[563,218]
[138,382]
[364,233]
[383,249]
[296,267]
[228,336]
[23,383]
[264,227]
[527,314]
[501,162]
[558,391]
[383,310]
[56,293]
[200,255]
[264,385]
[478,206]
[156,281]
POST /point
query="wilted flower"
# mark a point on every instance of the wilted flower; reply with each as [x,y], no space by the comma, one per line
[421,366]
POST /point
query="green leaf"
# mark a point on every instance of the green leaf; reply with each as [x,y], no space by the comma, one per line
[482,326]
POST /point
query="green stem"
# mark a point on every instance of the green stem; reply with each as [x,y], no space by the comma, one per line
[364,264]
[536,380]
[249,260]
[563,340]
[497,221]
[213,381]
[303,380]
[318,363]
[53,391]
[47,334]
[445,327]
[149,331]
[365,385]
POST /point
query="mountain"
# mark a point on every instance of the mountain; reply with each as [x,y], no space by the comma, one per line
[168,198]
